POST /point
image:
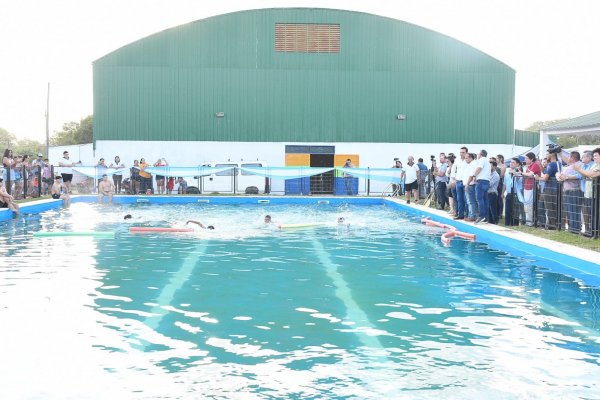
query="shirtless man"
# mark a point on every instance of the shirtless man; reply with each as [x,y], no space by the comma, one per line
[60,191]
[105,188]
[6,200]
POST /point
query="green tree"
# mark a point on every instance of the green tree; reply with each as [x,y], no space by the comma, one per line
[74,133]
[30,147]
[7,139]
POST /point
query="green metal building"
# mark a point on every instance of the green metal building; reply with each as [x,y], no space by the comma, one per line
[300,75]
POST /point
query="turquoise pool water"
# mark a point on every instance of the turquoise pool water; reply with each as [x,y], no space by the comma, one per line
[377,308]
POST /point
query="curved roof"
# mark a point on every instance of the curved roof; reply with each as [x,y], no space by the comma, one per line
[589,121]
[172,84]
[293,9]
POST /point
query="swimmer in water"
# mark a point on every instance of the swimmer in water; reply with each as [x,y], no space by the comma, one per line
[341,220]
[200,224]
[128,216]
[268,219]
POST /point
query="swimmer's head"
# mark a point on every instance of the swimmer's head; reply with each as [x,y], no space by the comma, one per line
[340,220]
[128,216]
[267,219]
[210,227]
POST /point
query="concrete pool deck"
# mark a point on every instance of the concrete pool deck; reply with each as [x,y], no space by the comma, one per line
[586,261]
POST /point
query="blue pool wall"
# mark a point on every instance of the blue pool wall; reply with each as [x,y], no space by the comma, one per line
[585,270]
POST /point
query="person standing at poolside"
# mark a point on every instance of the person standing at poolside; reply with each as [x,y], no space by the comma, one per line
[8,173]
[67,170]
[440,179]
[469,184]
[135,179]
[145,177]
[481,173]
[461,201]
[531,173]
[493,194]
[397,188]
[105,188]
[59,190]
[591,172]
[411,175]
[117,178]
[181,185]
[160,179]
[572,194]
[100,170]
[6,200]
[348,177]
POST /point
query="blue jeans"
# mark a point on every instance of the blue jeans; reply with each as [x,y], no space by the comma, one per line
[470,195]
[481,191]
[493,207]
[460,199]
[572,203]
[348,185]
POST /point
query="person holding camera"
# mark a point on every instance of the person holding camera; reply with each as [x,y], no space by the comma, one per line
[512,186]
[549,197]
[348,177]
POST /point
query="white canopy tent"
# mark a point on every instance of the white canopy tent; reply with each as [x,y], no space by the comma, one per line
[588,124]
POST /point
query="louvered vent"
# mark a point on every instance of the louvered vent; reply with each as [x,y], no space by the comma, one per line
[307,38]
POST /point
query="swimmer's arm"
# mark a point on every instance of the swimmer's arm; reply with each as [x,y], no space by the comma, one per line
[196,222]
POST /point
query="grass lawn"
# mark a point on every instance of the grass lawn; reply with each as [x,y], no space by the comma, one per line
[559,236]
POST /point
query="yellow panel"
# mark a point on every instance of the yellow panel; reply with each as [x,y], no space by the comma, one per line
[297,160]
[340,159]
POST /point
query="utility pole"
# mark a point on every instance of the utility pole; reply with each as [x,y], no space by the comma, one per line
[47,123]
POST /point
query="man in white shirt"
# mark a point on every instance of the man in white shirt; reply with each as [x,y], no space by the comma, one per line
[67,170]
[461,201]
[410,175]
[482,174]
[468,180]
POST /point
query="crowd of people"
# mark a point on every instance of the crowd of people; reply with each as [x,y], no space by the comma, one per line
[473,187]
[28,178]
[479,188]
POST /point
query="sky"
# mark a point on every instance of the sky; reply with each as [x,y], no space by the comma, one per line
[552,45]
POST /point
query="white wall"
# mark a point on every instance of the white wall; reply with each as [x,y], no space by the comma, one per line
[375,155]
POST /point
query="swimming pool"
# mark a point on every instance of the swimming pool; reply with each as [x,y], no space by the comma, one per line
[373,309]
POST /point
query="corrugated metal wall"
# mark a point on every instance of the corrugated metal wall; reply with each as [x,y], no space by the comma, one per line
[169,86]
[526,138]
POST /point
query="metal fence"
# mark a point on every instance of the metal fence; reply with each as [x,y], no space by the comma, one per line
[552,206]
[24,181]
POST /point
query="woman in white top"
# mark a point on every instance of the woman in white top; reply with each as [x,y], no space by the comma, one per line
[117,178]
